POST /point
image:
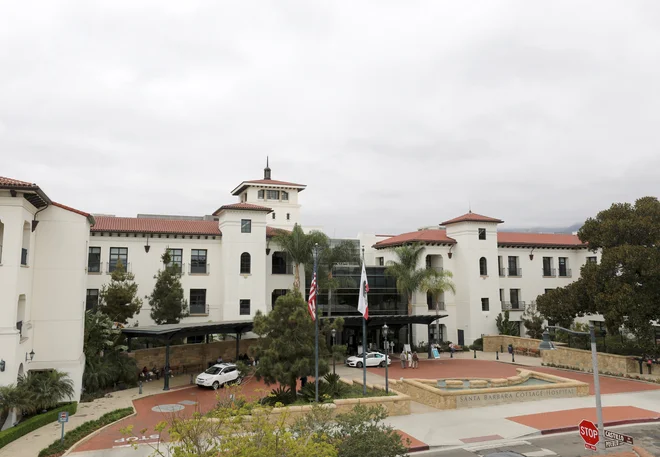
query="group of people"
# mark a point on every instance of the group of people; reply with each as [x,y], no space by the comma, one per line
[148,375]
[409,358]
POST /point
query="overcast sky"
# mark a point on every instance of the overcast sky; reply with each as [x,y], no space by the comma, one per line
[396,114]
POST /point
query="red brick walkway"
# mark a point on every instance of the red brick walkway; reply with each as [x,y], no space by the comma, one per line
[569,419]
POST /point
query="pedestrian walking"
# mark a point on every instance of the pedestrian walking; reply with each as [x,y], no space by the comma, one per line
[415,360]
[403,359]
[409,357]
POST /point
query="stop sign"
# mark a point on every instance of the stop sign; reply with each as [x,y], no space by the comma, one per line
[589,432]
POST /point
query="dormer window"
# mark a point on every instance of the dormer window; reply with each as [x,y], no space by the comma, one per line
[285,195]
[273,195]
[482,233]
[260,194]
[244,197]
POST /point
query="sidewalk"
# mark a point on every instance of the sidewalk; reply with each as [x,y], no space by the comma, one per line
[30,444]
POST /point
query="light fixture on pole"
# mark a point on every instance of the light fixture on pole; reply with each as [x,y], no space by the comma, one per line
[334,335]
[387,356]
[31,356]
[546,344]
[2,365]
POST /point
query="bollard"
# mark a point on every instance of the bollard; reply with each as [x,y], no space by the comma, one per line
[497,355]
[475,353]
[501,348]
[191,378]
[140,385]
[513,357]
[451,355]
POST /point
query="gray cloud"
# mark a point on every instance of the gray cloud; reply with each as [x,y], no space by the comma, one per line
[396,114]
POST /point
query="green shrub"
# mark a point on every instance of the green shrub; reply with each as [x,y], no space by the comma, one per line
[478,344]
[34,423]
[78,433]
[282,395]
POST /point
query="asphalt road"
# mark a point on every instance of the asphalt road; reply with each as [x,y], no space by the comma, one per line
[563,445]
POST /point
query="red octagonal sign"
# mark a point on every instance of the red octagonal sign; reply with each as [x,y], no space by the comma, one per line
[589,432]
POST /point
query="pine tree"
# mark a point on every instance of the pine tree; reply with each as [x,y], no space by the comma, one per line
[118,300]
[167,303]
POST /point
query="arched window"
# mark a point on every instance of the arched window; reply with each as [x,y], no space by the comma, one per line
[245,263]
[483,267]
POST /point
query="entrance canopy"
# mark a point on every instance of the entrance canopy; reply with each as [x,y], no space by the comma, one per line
[170,331]
[391,319]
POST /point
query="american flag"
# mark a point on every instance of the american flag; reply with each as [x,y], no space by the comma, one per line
[311,303]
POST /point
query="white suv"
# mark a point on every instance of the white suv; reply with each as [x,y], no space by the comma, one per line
[219,375]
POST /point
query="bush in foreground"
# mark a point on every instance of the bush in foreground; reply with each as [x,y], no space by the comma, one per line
[35,422]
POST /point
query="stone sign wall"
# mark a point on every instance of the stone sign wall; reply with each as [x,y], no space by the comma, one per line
[581,360]
[497,398]
[493,343]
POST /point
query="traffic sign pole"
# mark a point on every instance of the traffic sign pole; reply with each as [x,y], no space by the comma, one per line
[594,361]
[589,433]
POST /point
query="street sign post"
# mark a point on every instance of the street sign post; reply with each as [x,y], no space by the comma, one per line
[610,435]
[614,443]
[62,418]
[589,433]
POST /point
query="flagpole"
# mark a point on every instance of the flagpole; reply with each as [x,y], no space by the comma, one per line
[316,327]
[364,340]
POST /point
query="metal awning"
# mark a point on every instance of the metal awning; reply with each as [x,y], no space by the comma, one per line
[170,331]
[392,319]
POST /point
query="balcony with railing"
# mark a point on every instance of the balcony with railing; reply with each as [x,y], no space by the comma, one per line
[178,267]
[565,273]
[439,305]
[436,269]
[513,306]
[19,327]
[197,268]
[502,272]
[24,256]
[283,269]
[515,272]
[199,310]
[94,267]
[112,266]
[549,272]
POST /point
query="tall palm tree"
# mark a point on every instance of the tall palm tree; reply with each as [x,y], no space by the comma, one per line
[299,246]
[342,252]
[408,277]
[436,285]
[11,397]
[46,389]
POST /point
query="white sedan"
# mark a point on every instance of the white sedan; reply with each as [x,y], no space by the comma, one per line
[374,359]
[219,375]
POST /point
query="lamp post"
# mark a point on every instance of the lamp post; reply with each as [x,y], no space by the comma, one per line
[546,344]
[387,356]
[334,334]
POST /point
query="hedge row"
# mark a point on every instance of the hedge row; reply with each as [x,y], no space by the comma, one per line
[33,423]
[70,438]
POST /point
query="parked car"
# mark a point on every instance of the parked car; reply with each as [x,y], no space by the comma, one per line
[374,359]
[220,374]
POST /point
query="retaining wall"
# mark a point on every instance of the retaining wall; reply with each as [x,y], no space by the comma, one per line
[191,354]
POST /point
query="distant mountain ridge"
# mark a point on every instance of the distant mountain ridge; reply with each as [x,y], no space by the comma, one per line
[570,229]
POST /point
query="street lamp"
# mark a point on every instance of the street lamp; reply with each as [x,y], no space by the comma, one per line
[387,356]
[546,344]
[334,335]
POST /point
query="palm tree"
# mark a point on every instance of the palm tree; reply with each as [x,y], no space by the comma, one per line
[408,277]
[11,397]
[342,252]
[436,285]
[299,246]
[45,389]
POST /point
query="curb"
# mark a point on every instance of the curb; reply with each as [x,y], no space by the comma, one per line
[96,432]
[573,428]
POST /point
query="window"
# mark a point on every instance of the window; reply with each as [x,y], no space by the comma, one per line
[244,197]
[513,266]
[514,295]
[501,294]
[592,259]
[198,301]
[547,266]
[563,267]
[281,264]
[26,243]
[272,194]
[246,225]
[430,303]
[92,299]
[260,194]
[198,261]
[380,261]
[482,233]
[176,258]
[244,307]
[94,260]
[273,215]
[285,195]
[485,304]
[245,263]
[288,216]
[546,291]
[499,266]
[483,266]
[277,293]
[118,255]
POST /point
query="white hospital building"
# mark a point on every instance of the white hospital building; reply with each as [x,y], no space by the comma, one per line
[55,259]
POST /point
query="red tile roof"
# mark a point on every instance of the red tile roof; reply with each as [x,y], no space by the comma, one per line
[144,225]
[68,208]
[420,236]
[272,231]
[268,182]
[472,217]
[244,207]
[15,183]
[539,239]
